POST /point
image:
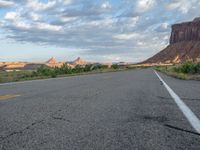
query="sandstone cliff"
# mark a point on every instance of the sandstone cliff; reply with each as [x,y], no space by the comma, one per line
[188,31]
[184,44]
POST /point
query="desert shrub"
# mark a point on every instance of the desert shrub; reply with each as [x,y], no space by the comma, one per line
[64,69]
[53,74]
[115,66]
[45,71]
[188,67]
[104,67]
[88,68]
[95,67]
[78,69]
[197,67]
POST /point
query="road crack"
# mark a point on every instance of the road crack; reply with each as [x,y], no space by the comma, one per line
[183,98]
[2,138]
[53,116]
[57,116]
[180,129]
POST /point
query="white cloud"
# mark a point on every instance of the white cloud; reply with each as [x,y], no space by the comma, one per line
[39,6]
[181,5]
[22,25]
[48,27]
[166,38]
[140,43]
[106,22]
[106,5]
[4,3]
[34,16]
[164,25]
[127,36]
[16,21]
[67,19]
[11,15]
[144,5]
[66,2]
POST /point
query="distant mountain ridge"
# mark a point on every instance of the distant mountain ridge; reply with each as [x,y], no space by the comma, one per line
[52,62]
[184,45]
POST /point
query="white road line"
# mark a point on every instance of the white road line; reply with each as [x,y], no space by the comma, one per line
[191,117]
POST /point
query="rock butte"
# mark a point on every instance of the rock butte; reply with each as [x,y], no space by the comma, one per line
[184,45]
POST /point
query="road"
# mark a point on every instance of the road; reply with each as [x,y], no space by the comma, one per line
[129,110]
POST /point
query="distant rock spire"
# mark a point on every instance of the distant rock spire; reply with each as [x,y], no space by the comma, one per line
[79,61]
[52,60]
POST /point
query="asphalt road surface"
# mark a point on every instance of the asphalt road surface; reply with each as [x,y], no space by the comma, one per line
[130,110]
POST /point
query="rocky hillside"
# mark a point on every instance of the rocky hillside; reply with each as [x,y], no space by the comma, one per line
[184,44]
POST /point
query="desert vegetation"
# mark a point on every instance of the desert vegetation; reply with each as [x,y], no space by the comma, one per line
[187,70]
[47,72]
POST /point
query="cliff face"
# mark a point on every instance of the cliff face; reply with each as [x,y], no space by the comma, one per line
[184,44]
[189,31]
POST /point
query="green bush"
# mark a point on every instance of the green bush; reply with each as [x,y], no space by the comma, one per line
[115,66]
[88,68]
[99,66]
[188,67]
[78,69]
[64,69]
[197,67]
[104,67]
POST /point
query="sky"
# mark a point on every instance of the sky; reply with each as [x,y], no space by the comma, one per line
[96,30]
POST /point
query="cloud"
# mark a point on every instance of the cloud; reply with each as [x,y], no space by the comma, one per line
[128,36]
[38,5]
[22,25]
[48,27]
[181,5]
[5,3]
[99,29]
[34,16]
[11,15]
[66,2]
[144,5]
[106,5]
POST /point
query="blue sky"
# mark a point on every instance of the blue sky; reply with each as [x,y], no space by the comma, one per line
[97,30]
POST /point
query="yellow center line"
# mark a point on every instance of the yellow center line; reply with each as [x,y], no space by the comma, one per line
[9,96]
